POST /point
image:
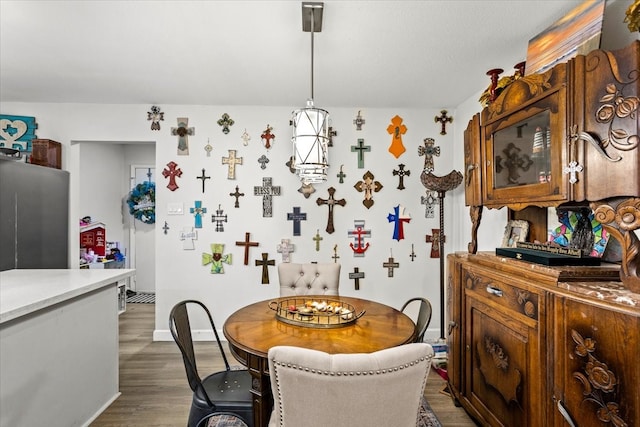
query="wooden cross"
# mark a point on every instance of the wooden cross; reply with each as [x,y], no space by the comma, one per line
[331,134]
[330,202]
[188,235]
[267,191]
[171,173]
[166,227]
[216,258]
[225,122]
[183,131]
[198,211]
[286,248]
[368,185]
[203,178]
[317,239]
[412,255]
[398,217]
[428,151]
[359,234]
[356,276]
[247,244]
[218,218]
[390,265]
[572,170]
[267,136]
[443,119]
[361,149]
[358,121]
[263,160]
[236,195]
[232,161]
[341,175]
[265,263]
[335,254]
[296,216]
[434,239]
[396,129]
[401,173]
[430,200]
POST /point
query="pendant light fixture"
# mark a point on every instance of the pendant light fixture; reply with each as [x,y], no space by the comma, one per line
[310,124]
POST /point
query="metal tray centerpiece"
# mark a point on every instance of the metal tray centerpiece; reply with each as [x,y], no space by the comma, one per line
[315,313]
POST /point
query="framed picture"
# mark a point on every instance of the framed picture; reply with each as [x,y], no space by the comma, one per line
[515,231]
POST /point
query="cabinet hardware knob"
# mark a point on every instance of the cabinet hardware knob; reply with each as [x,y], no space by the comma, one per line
[494,291]
[452,325]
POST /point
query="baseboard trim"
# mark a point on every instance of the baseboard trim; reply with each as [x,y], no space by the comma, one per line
[197,335]
[102,409]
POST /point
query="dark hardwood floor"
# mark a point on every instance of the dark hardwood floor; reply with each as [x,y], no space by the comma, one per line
[154,386]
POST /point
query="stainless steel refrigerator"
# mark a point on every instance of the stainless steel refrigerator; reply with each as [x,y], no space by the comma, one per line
[34,216]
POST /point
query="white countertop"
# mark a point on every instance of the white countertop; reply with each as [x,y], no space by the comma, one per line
[25,291]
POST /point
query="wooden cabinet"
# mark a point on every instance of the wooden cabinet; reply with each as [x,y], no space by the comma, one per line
[528,343]
[566,137]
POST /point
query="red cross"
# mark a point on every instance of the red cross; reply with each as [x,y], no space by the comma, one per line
[267,136]
[172,173]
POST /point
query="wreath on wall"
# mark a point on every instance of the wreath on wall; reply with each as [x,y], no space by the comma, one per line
[142,202]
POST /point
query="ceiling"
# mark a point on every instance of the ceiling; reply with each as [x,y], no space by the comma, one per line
[407,54]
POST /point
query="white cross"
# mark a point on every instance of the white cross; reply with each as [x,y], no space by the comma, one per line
[286,248]
[188,235]
[572,169]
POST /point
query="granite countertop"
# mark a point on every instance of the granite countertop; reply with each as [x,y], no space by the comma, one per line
[23,292]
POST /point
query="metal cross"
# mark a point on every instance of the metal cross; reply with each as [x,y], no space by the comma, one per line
[198,211]
[361,149]
[265,262]
[236,195]
[296,216]
[398,217]
[263,160]
[183,131]
[232,161]
[390,265]
[368,185]
[267,191]
[335,254]
[401,173]
[358,235]
[428,151]
[245,138]
[356,276]
[434,239]
[443,119]
[412,255]
[358,121]
[430,200]
[396,129]
[208,148]
[341,175]
[286,248]
[331,134]
[330,202]
[317,239]
[218,218]
[572,170]
[247,244]
[225,122]
[156,116]
[166,227]
[203,178]
[267,136]
[171,173]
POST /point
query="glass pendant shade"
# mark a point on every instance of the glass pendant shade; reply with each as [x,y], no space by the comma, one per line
[310,141]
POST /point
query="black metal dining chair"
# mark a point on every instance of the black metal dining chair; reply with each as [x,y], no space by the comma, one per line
[224,391]
[423,317]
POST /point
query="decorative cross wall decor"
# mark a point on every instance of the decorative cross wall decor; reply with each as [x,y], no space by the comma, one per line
[247,244]
[396,129]
[330,202]
[335,254]
[216,258]
[572,170]
[361,149]
[317,239]
[412,255]
[289,164]
[267,191]
[267,136]
[356,276]
[203,177]
[165,227]
[188,235]
[183,131]
[430,200]
[236,195]
[358,121]
[225,122]
[390,265]
[398,217]
[286,248]
[208,148]
[219,218]
[368,186]
[296,216]
[198,211]
[156,116]
[443,119]
[428,151]
[401,173]
[171,173]
[306,190]
[263,160]
[341,175]
[232,161]
[331,134]
[359,234]
[265,262]
[245,137]
[434,239]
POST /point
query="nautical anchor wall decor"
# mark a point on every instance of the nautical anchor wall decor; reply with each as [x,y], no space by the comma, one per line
[359,234]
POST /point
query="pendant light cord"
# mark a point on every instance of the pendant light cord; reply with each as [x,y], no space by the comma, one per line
[312,31]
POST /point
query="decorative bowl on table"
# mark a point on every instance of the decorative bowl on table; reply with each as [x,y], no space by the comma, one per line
[315,313]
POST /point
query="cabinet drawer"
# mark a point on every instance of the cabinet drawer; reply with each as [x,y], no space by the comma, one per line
[512,298]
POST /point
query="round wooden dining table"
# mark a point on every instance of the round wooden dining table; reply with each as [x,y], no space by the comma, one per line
[253,330]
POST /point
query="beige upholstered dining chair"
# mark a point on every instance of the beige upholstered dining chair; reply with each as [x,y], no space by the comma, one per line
[316,389]
[308,279]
